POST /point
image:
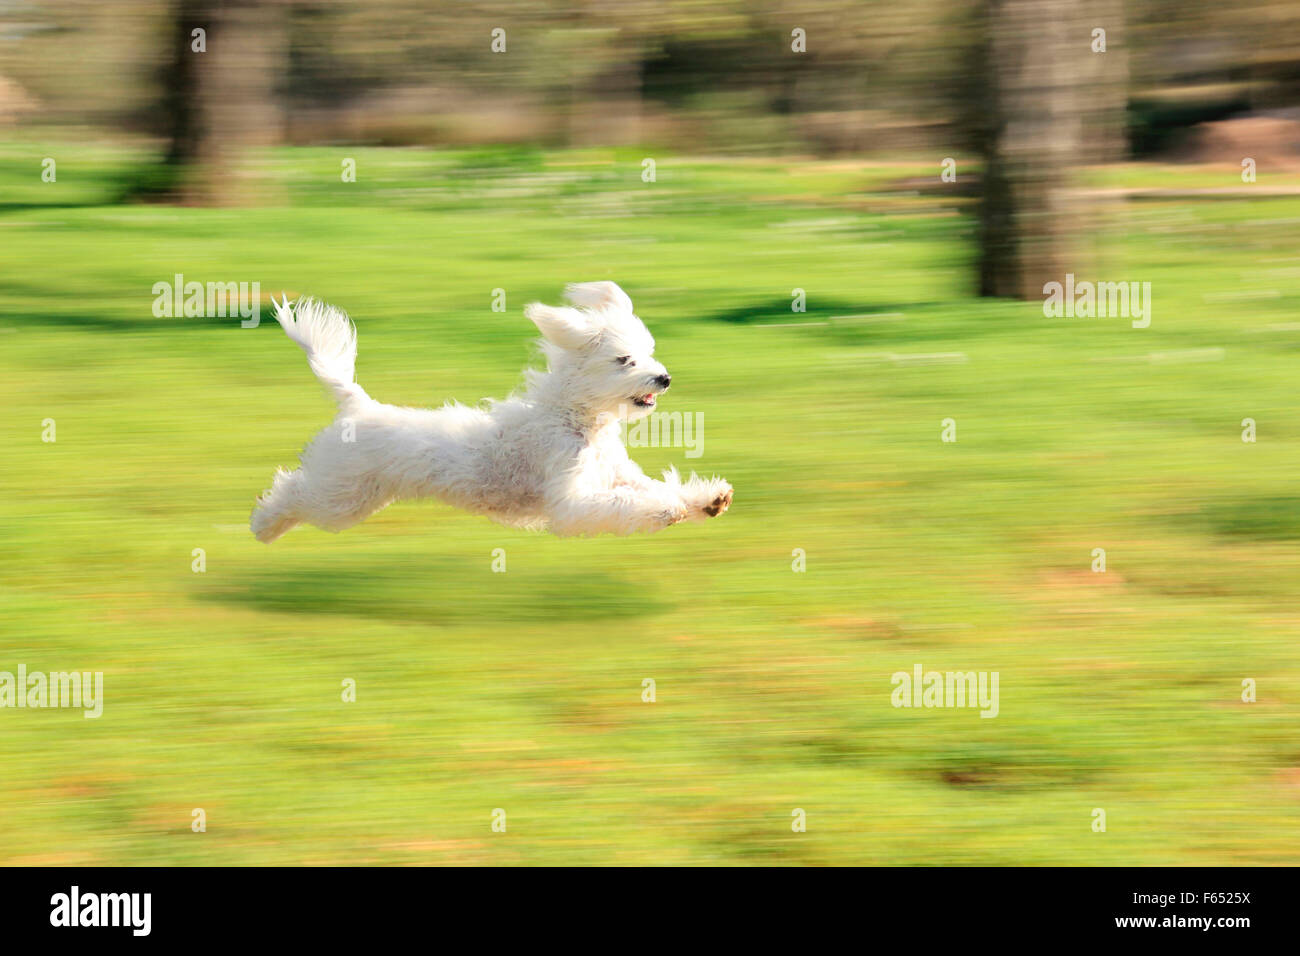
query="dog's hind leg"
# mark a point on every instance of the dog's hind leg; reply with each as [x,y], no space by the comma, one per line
[277,509]
[333,505]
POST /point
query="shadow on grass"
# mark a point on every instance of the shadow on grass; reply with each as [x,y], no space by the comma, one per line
[444,592]
[1266,518]
[8,207]
[107,323]
[851,323]
[136,182]
[111,312]
[816,310]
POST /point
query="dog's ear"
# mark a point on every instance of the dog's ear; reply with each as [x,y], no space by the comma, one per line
[598,296]
[567,328]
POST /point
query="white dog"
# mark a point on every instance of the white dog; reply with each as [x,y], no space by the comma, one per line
[549,457]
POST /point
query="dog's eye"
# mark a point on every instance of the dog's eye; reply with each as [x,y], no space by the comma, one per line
[625,360]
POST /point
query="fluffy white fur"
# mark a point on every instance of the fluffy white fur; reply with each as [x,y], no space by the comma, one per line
[551,456]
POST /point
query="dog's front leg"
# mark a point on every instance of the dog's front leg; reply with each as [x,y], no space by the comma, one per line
[649,506]
[622,510]
[629,474]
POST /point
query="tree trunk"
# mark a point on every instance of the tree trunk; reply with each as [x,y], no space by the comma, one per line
[220,99]
[1029,132]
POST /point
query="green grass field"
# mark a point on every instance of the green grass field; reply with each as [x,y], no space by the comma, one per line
[523,690]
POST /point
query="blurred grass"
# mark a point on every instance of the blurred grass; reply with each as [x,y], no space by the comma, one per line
[522,690]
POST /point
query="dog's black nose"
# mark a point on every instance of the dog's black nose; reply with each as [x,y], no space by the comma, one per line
[664,380]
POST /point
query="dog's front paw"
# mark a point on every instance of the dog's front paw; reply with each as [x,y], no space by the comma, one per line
[707,497]
[719,504]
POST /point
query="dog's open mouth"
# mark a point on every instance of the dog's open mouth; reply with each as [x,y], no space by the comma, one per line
[644,401]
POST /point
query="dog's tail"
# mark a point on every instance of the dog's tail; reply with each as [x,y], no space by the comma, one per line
[329,338]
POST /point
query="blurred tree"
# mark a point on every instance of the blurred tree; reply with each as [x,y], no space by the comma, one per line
[1027,124]
[874,76]
[217,96]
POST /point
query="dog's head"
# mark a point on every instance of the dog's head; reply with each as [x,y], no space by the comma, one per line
[601,354]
